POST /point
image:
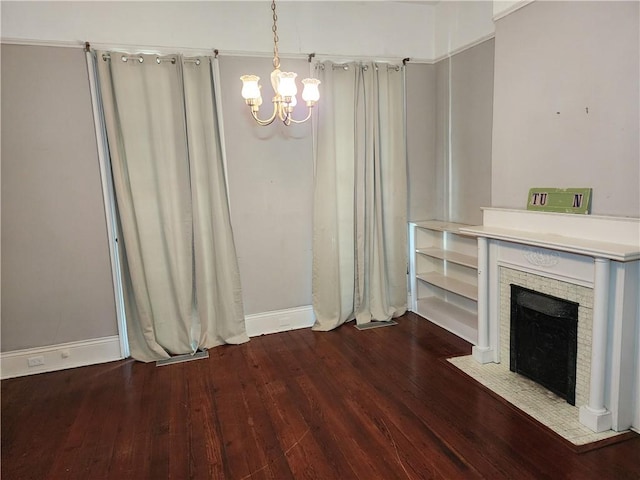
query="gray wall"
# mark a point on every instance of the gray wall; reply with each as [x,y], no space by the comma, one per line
[54,236]
[56,283]
[56,274]
[464,109]
[421,136]
[271,191]
[553,62]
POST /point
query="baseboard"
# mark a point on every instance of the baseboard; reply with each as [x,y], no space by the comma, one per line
[279,321]
[59,357]
[107,349]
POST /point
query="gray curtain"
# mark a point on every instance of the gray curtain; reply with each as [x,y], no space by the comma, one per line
[360,195]
[179,267]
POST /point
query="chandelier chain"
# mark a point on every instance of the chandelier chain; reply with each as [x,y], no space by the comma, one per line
[274,29]
[284,87]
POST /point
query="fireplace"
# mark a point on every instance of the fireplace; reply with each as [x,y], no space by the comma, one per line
[593,261]
[544,340]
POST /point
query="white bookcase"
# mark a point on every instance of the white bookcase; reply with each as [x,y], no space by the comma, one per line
[443,269]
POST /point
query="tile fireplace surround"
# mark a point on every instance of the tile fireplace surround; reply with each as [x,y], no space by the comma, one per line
[592,260]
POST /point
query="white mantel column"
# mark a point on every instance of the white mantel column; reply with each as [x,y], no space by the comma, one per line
[595,415]
[482,352]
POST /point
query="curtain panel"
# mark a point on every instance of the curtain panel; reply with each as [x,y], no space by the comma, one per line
[180,275]
[360,195]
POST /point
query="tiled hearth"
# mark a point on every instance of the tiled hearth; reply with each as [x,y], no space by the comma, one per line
[571,257]
[538,402]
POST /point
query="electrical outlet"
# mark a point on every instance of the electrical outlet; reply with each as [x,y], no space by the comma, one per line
[35,361]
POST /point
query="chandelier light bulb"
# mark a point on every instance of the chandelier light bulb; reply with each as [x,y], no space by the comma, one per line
[310,92]
[250,88]
[287,85]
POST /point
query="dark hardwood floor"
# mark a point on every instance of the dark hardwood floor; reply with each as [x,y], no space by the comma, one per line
[347,404]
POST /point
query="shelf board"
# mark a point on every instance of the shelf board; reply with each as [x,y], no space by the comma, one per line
[440,226]
[449,256]
[457,320]
[450,284]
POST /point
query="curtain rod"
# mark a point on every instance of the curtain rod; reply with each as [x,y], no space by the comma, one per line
[207,51]
[151,49]
[259,54]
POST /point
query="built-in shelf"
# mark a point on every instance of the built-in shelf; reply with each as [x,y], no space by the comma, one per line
[453,257]
[450,284]
[440,226]
[444,272]
[450,317]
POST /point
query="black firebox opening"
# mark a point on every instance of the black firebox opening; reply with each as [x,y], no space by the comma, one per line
[544,340]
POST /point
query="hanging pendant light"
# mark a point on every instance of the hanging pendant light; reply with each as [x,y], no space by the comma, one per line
[284,87]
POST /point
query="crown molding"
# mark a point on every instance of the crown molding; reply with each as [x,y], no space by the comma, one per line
[511,9]
[465,47]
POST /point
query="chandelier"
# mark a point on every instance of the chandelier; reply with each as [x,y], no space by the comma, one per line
[284,87]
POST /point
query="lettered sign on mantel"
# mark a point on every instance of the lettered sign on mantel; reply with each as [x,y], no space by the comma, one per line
[560,200]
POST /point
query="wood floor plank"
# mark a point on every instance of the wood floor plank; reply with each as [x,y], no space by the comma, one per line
[286,360]
[180,465]
[110,398]
[386,405]
[346,404]
[443,393]
[205,452]
[47,401]
[247,433]
[431,396]
[304,454]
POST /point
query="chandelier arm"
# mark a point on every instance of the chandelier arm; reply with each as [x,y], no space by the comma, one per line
[293,120]
[269,121]
[283,114]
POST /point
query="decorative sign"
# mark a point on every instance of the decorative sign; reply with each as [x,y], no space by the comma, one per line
[560,200]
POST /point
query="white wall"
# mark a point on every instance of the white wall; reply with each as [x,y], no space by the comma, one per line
[566,107]
[460,24]
[389,29]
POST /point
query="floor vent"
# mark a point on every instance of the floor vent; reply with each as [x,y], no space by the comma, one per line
[375,324]
[187,357]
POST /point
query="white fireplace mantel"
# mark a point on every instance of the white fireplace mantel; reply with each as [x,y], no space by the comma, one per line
[615,238]
[600,252]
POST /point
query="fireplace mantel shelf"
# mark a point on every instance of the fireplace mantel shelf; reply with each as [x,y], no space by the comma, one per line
[589,235]
[612,251]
